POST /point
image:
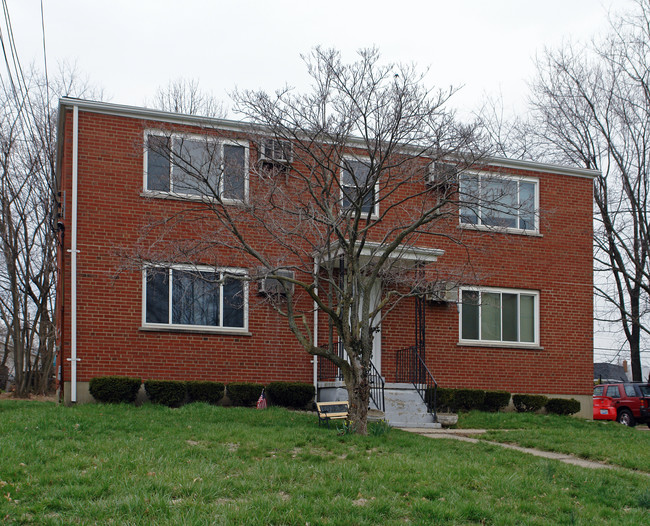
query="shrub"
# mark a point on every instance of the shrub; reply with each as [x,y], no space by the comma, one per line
[115,389]
[561,406]
[495,401]
[444,399]
[244,393]
[525,403]
[210,392]
[468,399]
[290,394]
[166,392]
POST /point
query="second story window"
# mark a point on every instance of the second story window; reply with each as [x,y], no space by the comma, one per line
[495,201]
[356,188]
[196,166]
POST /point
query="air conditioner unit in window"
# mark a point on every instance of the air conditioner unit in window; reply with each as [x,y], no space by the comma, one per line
[273,286]
[276,151]
[442,175]
[442,292]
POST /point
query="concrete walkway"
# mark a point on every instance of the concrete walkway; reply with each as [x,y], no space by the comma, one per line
[465,435]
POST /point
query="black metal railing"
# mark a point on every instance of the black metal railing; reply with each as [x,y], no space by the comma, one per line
[412,369]
[328,372]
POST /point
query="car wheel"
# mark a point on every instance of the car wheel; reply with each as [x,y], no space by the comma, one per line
[625,417]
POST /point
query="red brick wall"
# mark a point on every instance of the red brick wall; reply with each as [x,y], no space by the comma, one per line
[112,215]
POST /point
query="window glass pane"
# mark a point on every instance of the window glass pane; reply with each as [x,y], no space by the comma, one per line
[157,163]
[629,390]
[526,205]
[196,167]
[195,298]
[233,303]
[157,301]
[470,316]
[355,186]
[234,176]
[498,202]
[490,316]
[509,317]
[598,390]
[612,391]
[645,390]
[526,318]
[469,197]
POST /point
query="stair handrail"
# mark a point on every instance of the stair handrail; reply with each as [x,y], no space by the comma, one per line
[412,369]
[377,385]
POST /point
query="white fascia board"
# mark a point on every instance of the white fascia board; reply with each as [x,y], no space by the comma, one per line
[138,112]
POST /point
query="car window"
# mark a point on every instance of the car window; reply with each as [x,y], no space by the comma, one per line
[645,390]
[629,390]
[598,390]
[612,391]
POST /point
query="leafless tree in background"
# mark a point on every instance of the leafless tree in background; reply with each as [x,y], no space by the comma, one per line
[28,116]
[591,108]
[186,97]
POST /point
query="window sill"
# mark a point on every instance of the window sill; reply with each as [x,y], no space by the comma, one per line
[501,345]
[155,194]
[195,330]
[501,230]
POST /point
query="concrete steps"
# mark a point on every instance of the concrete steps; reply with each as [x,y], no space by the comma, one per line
[405,408]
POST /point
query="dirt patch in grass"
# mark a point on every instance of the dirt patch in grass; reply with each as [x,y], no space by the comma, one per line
[4,395]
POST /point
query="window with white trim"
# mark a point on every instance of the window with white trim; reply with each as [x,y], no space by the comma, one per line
[196,166]
[499,316]
[355,188]
[491,200]
[192,297]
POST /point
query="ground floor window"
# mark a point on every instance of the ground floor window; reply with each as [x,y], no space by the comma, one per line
[499,315]
[194,297]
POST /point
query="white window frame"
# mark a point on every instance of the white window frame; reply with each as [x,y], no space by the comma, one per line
[375,210]
[500,343]
[195,328]
[517,179]
[194,137]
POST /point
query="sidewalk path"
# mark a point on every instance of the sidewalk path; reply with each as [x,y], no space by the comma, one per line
[465,435]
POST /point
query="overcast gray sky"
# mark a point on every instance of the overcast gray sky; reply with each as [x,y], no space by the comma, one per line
[131,47]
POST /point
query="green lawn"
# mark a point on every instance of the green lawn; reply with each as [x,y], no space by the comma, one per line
[210,465]
[595,440]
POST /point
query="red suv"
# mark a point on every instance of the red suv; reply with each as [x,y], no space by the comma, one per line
[626,403]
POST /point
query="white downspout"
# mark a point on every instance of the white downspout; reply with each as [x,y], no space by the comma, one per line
[73,260]
[315,333]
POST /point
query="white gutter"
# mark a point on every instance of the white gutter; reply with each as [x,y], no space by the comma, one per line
[315,332]
[73,255]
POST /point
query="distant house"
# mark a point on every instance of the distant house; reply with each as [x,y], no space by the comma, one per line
[609,372]
[525,326]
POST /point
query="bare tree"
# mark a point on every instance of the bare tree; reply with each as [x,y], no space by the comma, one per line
[27,236]
[591,107]
[337,202]
[186,97]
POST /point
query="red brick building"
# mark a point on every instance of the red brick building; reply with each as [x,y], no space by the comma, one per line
[524,325]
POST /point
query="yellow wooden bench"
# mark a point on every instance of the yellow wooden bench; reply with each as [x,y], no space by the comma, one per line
[332,411]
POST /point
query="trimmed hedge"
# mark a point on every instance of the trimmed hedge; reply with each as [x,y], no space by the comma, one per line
[171,393]
[244,393]
[526,403]
[210,392]
[444,399]
[562,406]
[115,389]
[468,399]
[290,394]
[495,401]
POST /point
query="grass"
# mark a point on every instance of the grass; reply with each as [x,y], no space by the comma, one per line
[595,440]
[199,464]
